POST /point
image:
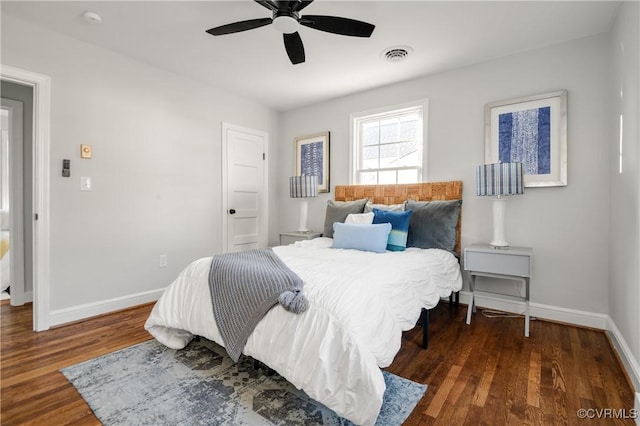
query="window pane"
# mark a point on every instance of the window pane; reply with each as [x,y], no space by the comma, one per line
[408,130]
[389,155]
[387,177]
[370,157]
[370,133]
[368,178]
[407,176]
[389,130]
[408,154]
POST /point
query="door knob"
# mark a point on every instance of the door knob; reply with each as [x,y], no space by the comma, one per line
[232,211]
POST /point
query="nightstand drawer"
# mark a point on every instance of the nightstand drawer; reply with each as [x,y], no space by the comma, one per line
[287,238]
[498,262]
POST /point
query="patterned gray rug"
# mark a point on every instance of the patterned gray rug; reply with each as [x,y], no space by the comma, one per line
[150,384]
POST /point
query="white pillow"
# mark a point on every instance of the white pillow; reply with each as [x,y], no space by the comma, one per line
[387,207]
[359,218]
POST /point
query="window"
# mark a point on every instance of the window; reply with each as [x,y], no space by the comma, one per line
[387,145]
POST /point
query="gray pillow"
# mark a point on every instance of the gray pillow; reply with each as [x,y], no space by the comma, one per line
[337,211]
[433,224]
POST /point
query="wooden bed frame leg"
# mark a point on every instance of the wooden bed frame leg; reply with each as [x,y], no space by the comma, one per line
[425,328]
[257,365]
[454,299]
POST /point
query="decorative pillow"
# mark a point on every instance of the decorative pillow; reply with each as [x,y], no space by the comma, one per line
[433,224]
[337,211]
[361,237]
[363,218]
[399,227]
[389,207]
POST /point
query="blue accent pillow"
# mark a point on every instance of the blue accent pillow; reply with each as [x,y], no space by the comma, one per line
[399,227]
[363,237]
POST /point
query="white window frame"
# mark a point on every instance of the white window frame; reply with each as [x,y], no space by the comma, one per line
[390,111]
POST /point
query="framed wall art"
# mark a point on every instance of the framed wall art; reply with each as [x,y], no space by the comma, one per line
[312,158]
[531,130]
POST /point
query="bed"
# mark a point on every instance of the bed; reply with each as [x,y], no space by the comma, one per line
[360,302]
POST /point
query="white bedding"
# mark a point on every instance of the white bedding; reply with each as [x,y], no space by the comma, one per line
[360,302]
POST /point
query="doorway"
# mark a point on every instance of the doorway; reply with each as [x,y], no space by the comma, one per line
[36,215]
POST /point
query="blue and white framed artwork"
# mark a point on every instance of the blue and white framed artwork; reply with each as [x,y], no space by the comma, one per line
[312,158]
[531,130]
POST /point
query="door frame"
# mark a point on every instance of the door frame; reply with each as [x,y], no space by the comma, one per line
[41,85]
[226,127]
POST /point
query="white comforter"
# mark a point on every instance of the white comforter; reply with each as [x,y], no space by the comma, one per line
[360,302]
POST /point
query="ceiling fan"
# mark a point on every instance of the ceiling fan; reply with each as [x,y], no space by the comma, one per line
[287,19]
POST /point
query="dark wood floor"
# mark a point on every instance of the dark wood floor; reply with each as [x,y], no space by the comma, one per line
[485,373]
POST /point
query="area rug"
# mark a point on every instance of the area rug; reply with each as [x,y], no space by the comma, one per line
[150,384]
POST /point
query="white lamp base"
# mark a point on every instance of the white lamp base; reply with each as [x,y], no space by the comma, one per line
[304,209]
[499,240]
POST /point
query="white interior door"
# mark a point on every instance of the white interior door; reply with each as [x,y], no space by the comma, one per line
[12,263]
[245,188]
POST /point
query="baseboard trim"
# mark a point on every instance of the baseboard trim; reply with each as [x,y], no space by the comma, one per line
[539,310]
[626,355]
[81,312]
[568,316]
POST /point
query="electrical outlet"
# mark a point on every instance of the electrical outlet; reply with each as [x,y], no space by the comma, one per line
[164,260]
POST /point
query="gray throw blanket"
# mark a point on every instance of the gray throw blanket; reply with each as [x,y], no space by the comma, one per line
[244,287]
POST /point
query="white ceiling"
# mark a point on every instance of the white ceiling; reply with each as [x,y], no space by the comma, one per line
[253,64]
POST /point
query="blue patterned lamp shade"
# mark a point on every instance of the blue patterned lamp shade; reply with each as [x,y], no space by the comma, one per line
[303,186]
[500,179]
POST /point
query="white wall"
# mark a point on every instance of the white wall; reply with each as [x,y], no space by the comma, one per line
[624,275]
[156,167]
[566,226]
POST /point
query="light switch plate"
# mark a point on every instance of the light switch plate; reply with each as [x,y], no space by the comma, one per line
[85,183]
[85,151]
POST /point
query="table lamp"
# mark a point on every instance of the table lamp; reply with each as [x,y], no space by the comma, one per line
[499,180]
[303,187]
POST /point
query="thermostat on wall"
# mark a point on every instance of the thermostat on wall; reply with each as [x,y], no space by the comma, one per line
[85,151]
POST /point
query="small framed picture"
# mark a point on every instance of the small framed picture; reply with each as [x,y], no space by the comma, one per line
[312,158]
[531,130]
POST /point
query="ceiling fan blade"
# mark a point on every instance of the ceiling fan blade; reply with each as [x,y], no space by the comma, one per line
[269,4]
[338,25]
[237,27]
[294,47]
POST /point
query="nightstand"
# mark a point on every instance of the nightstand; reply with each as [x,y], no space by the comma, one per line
[293,236]
[512,264]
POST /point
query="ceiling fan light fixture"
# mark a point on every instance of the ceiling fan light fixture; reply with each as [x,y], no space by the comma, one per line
[396,53]
[286,24]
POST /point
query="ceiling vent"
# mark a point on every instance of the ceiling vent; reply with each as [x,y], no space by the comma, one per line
[92,18]
[396,53]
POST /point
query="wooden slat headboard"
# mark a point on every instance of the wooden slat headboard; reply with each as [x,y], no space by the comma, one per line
[399,193]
